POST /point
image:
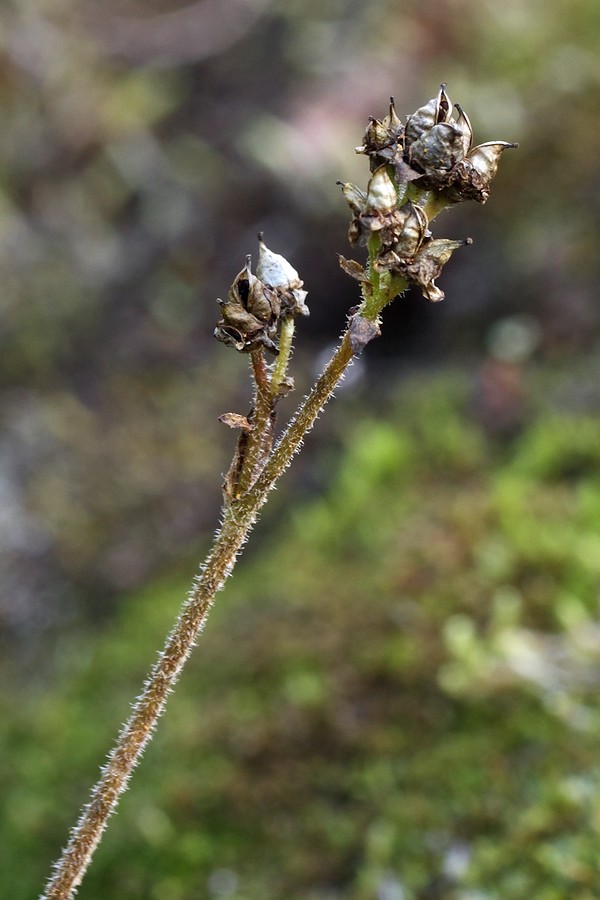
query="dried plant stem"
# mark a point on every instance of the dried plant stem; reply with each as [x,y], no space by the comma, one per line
[238,519]
[258,442]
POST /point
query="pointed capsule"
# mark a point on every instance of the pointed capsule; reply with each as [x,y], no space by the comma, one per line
[275,270]
[434,112]
[381,193]
[485,157]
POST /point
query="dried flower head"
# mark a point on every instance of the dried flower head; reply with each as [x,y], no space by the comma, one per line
[417,169]
[434,149]
[256,304]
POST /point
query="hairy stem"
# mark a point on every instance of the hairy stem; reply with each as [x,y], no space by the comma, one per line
[238,519]
[285,350]
[257,443]
[137,731]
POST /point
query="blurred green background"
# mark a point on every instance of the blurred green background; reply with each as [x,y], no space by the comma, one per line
[396,696]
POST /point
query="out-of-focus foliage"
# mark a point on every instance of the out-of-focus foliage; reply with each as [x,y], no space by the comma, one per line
[398,697]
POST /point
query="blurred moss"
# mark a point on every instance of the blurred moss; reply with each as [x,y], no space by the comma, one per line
[397,693]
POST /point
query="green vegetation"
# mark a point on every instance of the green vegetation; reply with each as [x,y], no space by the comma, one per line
[398,690]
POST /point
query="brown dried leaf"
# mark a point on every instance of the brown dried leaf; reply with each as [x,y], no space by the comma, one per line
[236,420]
[353,268]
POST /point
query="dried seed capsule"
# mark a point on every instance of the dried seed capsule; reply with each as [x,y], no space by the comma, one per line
[381,193]
[382,133]
[472,176]
[437,150]
[277,273]
[275,270]
[250,314]
[435,112]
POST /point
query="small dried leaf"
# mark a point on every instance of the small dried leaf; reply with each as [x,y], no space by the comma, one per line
[354,269]
[284,387]
[236,420]
[405,173]
[361,332]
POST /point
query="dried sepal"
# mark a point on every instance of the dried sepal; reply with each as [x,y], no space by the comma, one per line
[471,178]
[485,157]
[428,264]
[356,199]
[463,123]
[414,229]
[392,123]
[292,302]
